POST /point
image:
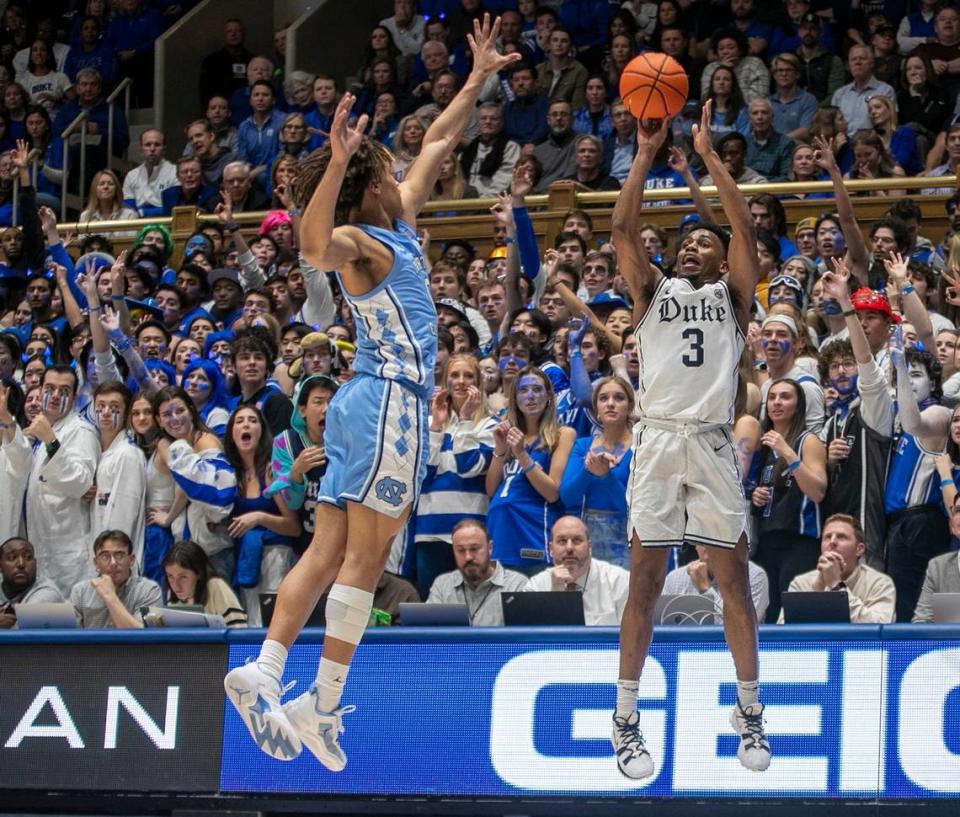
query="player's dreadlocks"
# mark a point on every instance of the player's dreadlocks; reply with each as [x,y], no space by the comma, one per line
[366,167]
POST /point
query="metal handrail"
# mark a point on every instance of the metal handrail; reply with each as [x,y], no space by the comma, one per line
[540,200]
[79,122]
[121,224]
[123,87]
[781,188]
[33,157]
[774,188]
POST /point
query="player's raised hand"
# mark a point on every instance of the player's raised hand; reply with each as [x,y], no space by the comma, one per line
[652,133]
[344,140]
[483,43]
[702,137]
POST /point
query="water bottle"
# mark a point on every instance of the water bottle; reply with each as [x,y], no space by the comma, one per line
[766,480]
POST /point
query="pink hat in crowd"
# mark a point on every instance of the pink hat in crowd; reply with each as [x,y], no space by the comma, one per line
[273,219]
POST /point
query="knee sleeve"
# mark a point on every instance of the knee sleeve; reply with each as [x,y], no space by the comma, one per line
[348,611]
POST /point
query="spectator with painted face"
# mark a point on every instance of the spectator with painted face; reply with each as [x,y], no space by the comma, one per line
[58,472]
[530,453]
[120,480]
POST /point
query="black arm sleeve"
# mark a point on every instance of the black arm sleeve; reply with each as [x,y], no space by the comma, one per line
[277,410]
[34,251]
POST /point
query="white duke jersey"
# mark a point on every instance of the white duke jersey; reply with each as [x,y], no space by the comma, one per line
[689,347]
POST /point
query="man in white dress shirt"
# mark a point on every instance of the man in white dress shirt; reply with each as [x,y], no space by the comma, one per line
[604,585]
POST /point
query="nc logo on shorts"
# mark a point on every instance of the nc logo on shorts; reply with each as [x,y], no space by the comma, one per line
[391,491]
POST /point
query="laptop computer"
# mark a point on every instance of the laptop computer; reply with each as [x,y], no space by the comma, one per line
[815,607]
[47,616]
[433,615]
[684,609]
[318,618]
[179,617]
[946,608]
[556,608]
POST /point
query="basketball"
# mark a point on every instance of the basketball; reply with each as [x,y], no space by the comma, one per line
[653,86]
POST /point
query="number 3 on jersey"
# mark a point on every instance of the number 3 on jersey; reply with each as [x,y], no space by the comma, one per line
[694,357]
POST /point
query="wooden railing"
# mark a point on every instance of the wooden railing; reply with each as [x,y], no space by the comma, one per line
[469,219]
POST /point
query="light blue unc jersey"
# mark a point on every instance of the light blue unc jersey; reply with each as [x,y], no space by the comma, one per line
[376,435]
[396,322]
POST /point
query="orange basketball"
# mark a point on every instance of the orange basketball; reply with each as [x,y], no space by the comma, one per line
[654,86]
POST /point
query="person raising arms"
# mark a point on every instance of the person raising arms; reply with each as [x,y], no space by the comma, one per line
[696,322]
[359,220]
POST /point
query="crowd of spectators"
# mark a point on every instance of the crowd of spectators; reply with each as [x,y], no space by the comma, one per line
[161,423]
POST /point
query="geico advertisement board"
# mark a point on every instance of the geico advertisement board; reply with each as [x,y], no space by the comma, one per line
[852,720]
[111,717]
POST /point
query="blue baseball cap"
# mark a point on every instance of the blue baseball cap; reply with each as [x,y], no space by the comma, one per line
[608,302]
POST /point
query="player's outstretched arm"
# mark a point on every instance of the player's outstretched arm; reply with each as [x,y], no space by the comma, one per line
[742,258]
[323,246]
[447,129]
[857,257]
[641,276]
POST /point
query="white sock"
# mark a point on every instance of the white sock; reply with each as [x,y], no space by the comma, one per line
[331,678]
[627,697]
[272,658]
[748,692]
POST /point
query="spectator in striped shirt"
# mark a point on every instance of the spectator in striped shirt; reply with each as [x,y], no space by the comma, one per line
[461,442]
